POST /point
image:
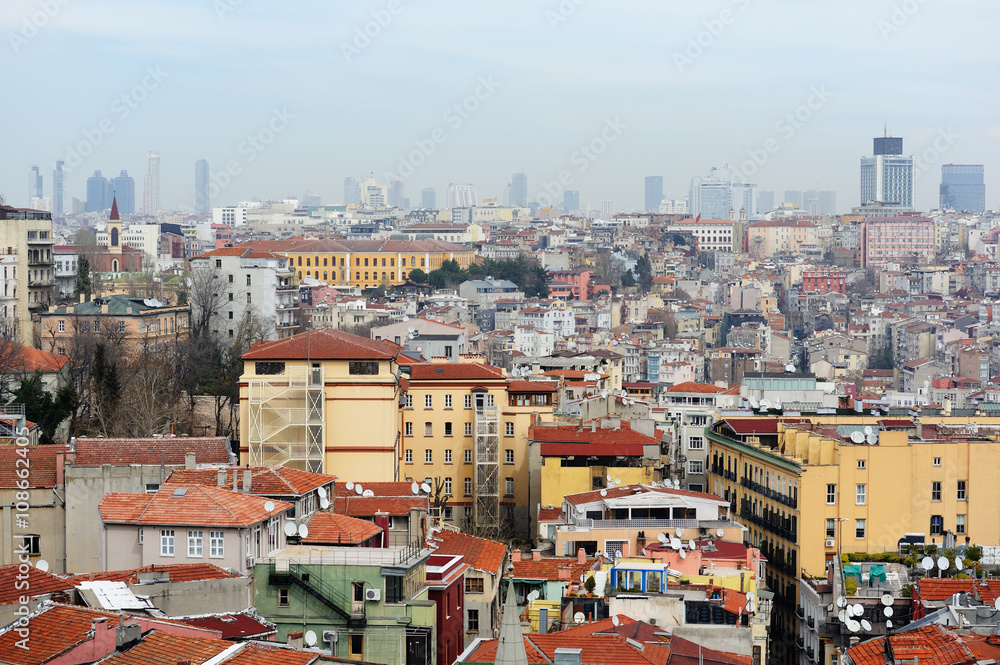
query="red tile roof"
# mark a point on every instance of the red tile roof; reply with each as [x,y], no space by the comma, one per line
[532,386]
[265,480]
[559,440]
[39,583]
[693,387]
[238,626]
[333,529]
[323,344]
[124,452]
[933,589]
[28,360]
[41,461]
[932,645]
[360,506]
[596,650]
[160,648]
[549,514]
[455,372]
[200,505]
[480,553]
[686,652]
[177,572]
[988,590]
[548,568]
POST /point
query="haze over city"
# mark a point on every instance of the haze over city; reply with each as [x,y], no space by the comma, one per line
[492,89]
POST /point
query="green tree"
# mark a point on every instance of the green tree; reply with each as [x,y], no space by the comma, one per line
[83,283]
[418,276]
[645,272]
[628,279]
[42,407]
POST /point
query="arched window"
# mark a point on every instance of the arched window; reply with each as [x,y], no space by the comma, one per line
[114,237]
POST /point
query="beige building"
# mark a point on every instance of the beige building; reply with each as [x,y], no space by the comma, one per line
[26,235]
[767,238]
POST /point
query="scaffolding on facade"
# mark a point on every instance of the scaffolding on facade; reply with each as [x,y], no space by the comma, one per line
[486,511]
[286,420]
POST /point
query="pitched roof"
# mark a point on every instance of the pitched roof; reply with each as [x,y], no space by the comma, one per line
[39,583]
[160,648]
[573,440]
[547,568]
[26,359]
[455,371]
[41,460]
[480,553]
[693,387]
[92,451]
[120,305]
[630,490]
[196,505]
[934,589]
[264,480]
[177,572]
[596,649]
[932,645]
[323,344]
[334,529]
[532,386]
[234,626]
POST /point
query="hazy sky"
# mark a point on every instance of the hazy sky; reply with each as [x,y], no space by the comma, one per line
[654,88]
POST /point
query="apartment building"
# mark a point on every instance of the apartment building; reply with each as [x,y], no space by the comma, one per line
[26,240]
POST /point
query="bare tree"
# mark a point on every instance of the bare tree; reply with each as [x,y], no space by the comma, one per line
[206,298]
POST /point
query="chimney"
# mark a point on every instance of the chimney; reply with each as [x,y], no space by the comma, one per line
[294,639]
[222,478]
[593,425]
[515,556]
[83,298]
[104,308]
[536,555]
[236,480]
[543,620]
[247,476]
[563,573]
[189,461]
[626,549]
[566,656]
[581,556]
[60,469]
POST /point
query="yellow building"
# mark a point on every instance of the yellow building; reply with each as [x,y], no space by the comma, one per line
[767,238]
[323,401]
[808,488]
[466,424]
[364,263]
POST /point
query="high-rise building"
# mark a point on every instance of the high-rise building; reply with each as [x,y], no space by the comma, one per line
[34,183]
[98,193]
[462,196]
[654,192]
[722,196]
[963,188]
[123,191]
[202,200]
[608,209]
[371,194]
[395,193]
[428,198]
[887,178]
[765,202]
[351,192]
[519,190]
[571,200]
[151,197]
[816,202]
[794,197]
[827,202]
[58,196]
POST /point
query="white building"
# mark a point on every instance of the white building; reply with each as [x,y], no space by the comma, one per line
[722,196]
[371,194]
[533,342]
[693,407]
[234,216]
[558,321]
[720,235]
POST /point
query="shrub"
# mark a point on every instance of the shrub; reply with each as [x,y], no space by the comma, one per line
[590,584]
[906,591]
[908,561]
[851,586]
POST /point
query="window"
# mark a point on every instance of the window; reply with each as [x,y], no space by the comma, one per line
[447,429]
[408,401]
[248,298]
[357,644]
[937,525]
[152,488]
[508,456]
[194,543]
[283,597]
[468,429]
[408,455]
[97,326]
[166,542]
[861,463]
[696,443]
[468,457]
[831,494]
[508,429]
[447,486]
[216,544]
[468,487]
[473,585]
[699,420]
[32,544]
[394,589]
[428,401]
[959,523]
[408,429]
[961,494]
[473,621]
[860,495]
[468,401]
[696,467]
[263,369]
[831,527]
[447,401]
[428,429]
[121,327]
[935,491]
[859,529]
[140,536]
[62,326]
[937,461]
[230,297]
[363,368]
[509,487]
[447,455]
[248,280]
[489,400]
[447,351]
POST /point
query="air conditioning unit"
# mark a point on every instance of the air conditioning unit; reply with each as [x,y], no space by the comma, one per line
[330,636]
[373,594]
[830,542]
[251,561]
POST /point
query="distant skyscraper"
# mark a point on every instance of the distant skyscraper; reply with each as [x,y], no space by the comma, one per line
[123,191]
[98,193]
[721,196]
[794,197]
[395,194]
[428,198]
[351,192]
[34,183]
[963,188]
[372,194]
[202,200]
[151,196]
[827,202]
[571,200]
[608,209]
[887,178]
[462,196]
[58,195]
[519,190]
[765,202]
[470,196]
[654,192]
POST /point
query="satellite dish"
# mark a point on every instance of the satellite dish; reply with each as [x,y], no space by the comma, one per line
[857,437]
[303,531]
[753,402]
[841,602]
[615,620]
[683,554]
[321,491]
[849,611]
[720,533]
[676,543]
[618,481]
[324,503]
[996,603]
[643,551]
[751,607]
[866,625]
[583,578]
[943,563]
[888,624]
[678,531]
[310,638]
[858,610]
[842,615]
[789,368]
[426,488]
[868,430]
[853,625]
[887,599]
[604,492]
[359,490]
[765,405]
[579,617]
[887,611]
[872,439]
[662,537]
[677,484]
[691,544]
[609,477]
[291,529]
[269,506]
[532,596]
[42,565]
[349,485]
[959,563]
[751,596]
[927,563]
[415,488]
[368,493]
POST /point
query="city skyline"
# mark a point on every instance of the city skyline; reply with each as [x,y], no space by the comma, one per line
[706,109]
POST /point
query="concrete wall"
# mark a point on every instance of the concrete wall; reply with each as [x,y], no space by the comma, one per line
[45,518]
[124,551]
[177,599]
